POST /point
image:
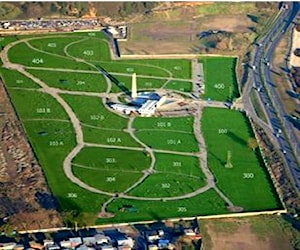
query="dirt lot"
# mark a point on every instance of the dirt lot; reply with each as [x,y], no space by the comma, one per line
[175,30]
[178,36]
[262,232]
[295,60]
[25,198]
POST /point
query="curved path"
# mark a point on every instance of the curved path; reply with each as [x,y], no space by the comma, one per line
[67,165]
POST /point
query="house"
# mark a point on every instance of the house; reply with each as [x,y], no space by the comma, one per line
[75,241]
[107,247]
[123,240]
[189,232]
[19,247]
[163,244]
[118,238]
[65,244]
[48,242]
[124,248]
[84,247]
[7,246]
[153,247]
[152,235]
[35,245]
[101,239]
[52,247]
[89,241]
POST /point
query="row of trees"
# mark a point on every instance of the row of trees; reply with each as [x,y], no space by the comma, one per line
[24,10]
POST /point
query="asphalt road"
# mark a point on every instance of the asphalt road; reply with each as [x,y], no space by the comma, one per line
[267,92]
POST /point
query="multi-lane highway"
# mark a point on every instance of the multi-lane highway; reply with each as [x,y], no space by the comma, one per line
[261,76]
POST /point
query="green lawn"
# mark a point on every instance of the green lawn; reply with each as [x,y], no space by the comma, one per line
[164,184]
[51,147]
[109,181]
[13,78]
[203,204]
[112,159]
[24,55]
[128,67]
[180,86]
[247,183]
[92,34]
[104,168]
[91,49]
[180,164]
[142,83]
[179,68]
[225,8]
[108,136]
[180,124]
[220,78]
[38,105]
[55,44]
[167,140]
[52,136]
[90,110]
[88,82]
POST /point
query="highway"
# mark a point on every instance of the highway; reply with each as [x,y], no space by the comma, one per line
[261,75]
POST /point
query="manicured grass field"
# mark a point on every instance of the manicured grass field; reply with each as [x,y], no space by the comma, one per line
[109,181]
[247,183]
[220,78]
[180,86]
[54,44]
[175,134]
[179,68]
[113,137]
[121,66]
[24,55]
[52,141]
[93,34]
[33,105]
[142,83]
[112,159]
[97,50]
[90,110]
[204,204]
[167,140]
[73,81]
[180,124]
[180,164]
[90,49]
[13,78]
[110,170]
[53,137]
[165,184]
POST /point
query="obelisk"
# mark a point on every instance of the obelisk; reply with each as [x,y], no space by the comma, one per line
[133,86]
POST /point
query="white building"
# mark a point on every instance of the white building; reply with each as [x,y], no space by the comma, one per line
[148,108]
[113,31]
[102,239]
[124,108]
[125,241]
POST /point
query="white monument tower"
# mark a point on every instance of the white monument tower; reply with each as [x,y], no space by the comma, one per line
[133,86]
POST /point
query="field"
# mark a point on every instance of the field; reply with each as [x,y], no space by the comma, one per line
[73,82]
[232,134]
[151,167]
[219,78]
[267,232]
